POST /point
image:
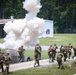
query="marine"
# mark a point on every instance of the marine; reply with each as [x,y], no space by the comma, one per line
[50,54]
[59,60]
[36,56]
[7,60]
[1,60]
[54,51]
[21,54]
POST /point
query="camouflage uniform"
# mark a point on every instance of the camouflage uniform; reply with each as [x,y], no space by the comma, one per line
[50,54]
[69,49]
[21,54]
[59,60]
[36,55]
[2,60]
[61,51]
[7,62]
[54,50]
[64,50]
[74,49]
[39,51]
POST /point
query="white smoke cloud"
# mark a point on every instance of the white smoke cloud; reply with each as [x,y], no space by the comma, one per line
[32,6]
[24,31]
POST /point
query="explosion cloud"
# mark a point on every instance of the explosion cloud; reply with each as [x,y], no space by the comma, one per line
[24,31]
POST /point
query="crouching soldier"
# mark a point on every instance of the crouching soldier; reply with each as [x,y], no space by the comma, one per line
[7,62]
[59,60]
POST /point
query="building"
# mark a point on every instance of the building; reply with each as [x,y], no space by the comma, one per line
[2,23]
[48,26]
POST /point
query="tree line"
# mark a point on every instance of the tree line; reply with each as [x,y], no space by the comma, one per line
[62,12]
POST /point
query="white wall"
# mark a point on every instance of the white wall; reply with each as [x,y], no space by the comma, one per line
[48,26]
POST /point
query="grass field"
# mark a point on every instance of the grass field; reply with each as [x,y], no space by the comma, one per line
[30,53]
[48,70]
[59,39]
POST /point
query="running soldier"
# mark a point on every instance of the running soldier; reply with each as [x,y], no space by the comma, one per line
[36,55]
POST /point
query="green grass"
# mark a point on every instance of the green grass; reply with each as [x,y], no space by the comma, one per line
[59,39]
[30,53]
[1,41]
[49,70]
[44,54]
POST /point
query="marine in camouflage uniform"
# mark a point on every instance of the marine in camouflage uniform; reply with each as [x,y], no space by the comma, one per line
[21,54]
[36,56]
[74,49]
[69,50]
[7,62]
[61,51]
[50,54]
[39,51]
[59,60]
[64,50]
[54,51]
[1,61]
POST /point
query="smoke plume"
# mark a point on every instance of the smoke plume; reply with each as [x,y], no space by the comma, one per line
[24,31]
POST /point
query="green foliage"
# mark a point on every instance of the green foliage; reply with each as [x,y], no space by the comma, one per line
[14,8]
[62,12]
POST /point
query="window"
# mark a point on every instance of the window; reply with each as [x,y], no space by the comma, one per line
[48,31]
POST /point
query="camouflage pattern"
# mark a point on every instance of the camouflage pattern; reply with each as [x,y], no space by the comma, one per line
[63,49]
[69,50]
[74,49]
[50,54]
[36,55]
[1,61]
[54,50]
[7,62]
[21,54]
[39,50]
[59,60]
